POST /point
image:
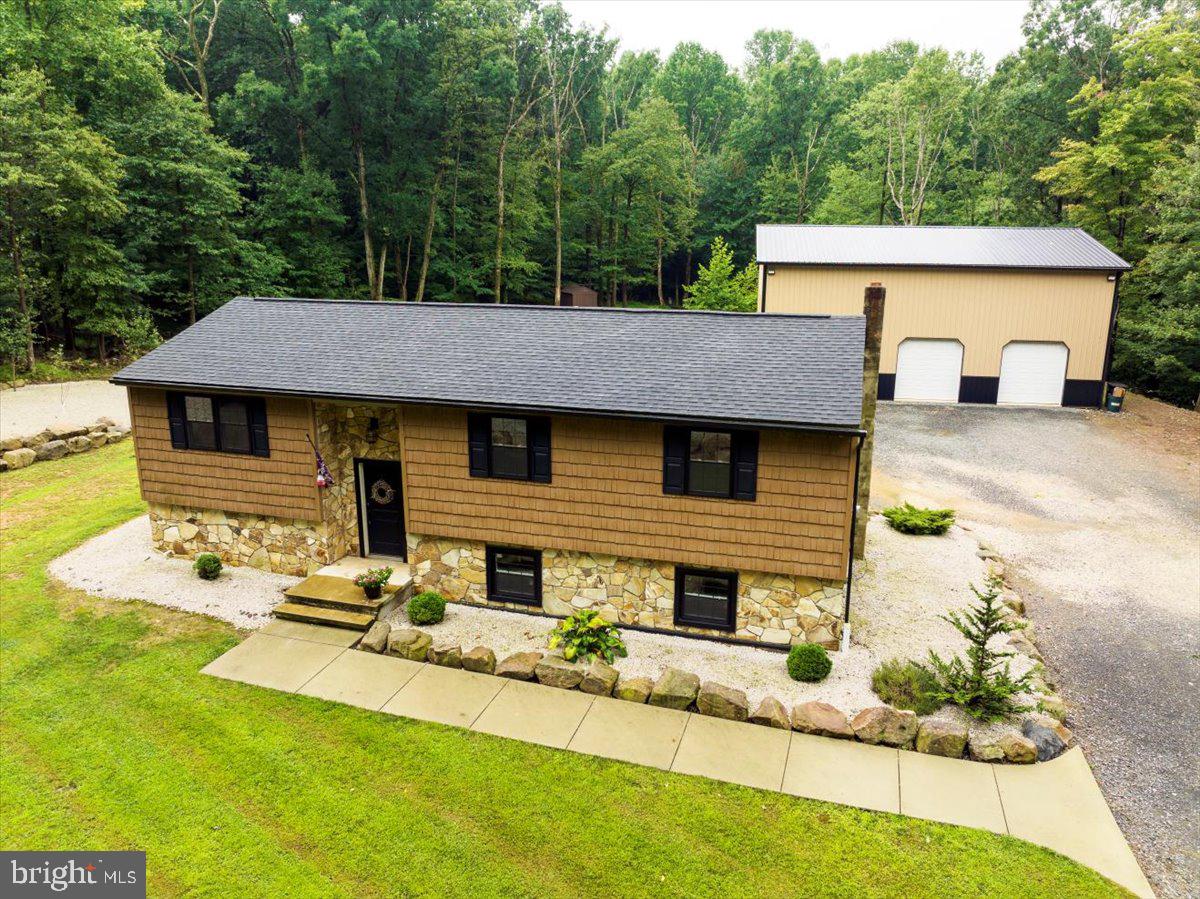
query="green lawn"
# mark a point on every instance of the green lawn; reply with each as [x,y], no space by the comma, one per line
[111,739]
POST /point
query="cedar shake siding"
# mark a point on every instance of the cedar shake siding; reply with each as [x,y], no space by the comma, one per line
[280,485]
[606,496]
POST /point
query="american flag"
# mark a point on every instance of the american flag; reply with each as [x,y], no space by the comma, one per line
[324,478]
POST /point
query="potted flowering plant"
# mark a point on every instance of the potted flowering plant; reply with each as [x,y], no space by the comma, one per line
[372,581]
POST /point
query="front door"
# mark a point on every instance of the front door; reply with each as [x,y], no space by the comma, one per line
[380,508]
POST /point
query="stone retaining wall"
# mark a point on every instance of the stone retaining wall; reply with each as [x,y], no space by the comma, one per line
[58,441]
[771,608]
[285,546]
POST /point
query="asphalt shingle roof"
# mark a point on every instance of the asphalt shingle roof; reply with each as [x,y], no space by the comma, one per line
[935,245]
[783,370]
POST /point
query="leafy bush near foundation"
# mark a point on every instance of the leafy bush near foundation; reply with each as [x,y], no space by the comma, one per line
[208,566]
[981,684]
[906,685]
[585,635]
[908,519]
[808,662]
[427,608]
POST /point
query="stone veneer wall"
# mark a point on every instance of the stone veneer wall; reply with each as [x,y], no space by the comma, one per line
[342,438]
[772,608]
[285,546]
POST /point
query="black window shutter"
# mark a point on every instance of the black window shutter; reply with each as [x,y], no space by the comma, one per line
[745,464]
[539,449]
[256,409]
[177,417]
[675,450]
[479,436]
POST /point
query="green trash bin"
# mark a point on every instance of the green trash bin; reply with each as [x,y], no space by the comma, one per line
[1116,396]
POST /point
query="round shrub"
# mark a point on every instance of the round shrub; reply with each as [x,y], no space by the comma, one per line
[907,685]
[427,608]
[208,566]
[808,662]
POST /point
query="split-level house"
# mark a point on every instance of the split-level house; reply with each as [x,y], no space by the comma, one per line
[685,471]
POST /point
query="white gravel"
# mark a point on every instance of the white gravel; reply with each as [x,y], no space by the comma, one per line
[901,588]
[28,410]
[120,564]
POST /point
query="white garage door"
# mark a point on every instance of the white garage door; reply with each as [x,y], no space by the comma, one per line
[1032,374]
[928,370]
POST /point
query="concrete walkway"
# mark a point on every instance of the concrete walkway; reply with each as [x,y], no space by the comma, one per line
[1054,804]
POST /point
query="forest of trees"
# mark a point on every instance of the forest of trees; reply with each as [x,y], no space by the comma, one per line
[158,158]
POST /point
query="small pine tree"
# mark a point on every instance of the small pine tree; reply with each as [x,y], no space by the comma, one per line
[982,684]
[720,286]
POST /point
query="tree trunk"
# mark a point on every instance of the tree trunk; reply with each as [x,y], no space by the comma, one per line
[191,270]
[499,218]
[429,223]
[364,208]
[558,219]
[403,277]
[22,297]
[662,300]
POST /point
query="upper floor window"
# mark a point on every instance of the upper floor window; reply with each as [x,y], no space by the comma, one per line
[506,446]
[225,424]
[710,462]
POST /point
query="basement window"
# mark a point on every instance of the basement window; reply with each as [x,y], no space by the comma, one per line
[514,575]
[706,599]
[223,424]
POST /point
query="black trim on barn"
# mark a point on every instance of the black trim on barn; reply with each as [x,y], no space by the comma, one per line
[1083,393]
[978,389]
[1112,333]
[887,386]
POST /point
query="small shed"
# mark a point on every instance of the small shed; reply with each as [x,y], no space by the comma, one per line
[578,295]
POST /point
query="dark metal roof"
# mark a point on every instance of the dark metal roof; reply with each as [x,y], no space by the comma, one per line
[782,370]
[935,245]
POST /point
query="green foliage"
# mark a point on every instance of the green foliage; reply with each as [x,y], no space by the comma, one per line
[585,635]
[907,685]
[908,519]
[981,684]
[427,607]
[721,286]
[808,662]
[373,578]
[207,566]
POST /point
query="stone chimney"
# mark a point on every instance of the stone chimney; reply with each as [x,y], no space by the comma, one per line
[873,310]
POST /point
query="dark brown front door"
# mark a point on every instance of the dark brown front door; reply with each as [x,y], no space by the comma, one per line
[381,508]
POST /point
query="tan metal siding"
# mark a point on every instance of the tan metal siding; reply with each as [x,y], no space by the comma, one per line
[282,485]
[606,497]
[984,309]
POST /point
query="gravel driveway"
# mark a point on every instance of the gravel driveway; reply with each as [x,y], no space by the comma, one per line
[1100,517]
[29,409]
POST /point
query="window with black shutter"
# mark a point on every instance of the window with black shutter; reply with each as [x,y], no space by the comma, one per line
[506,446]
[514,575]
[706,599]
[710,462]
[223,424]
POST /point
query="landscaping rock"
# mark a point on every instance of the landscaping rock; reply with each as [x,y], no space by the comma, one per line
[1055,725]
[54,449]
[115,435]
[480,659]
[822,719]
[65,432]
[984,750]
[3,465]
[79,444]
[448,655]
[519,666]
[105,422]
[719,701]
[1048,743]
[1053,705]
[886,725]
[376,637]
[97,439]
[1017,749]
[19,458]
[771,713]
[554,671]
[937,737]
[633,689]
[599,678]
[1021,643]
[675,689]
[10,443]
[1014,602]
[35,440]
[409,643]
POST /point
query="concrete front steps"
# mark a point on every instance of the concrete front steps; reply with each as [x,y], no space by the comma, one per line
[333,600]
